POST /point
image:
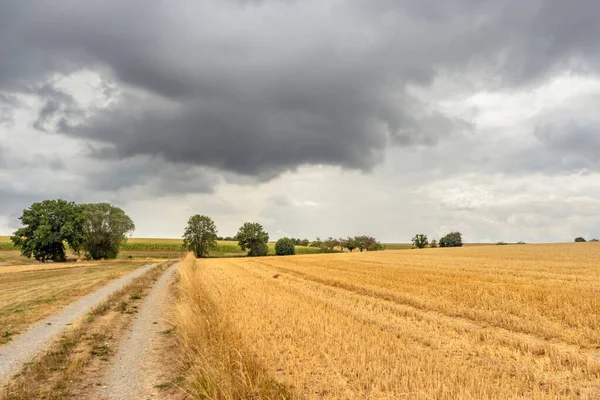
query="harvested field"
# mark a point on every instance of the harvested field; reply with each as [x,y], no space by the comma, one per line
[28,296]
[482,322]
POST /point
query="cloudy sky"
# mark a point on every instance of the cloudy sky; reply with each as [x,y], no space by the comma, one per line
[313,117]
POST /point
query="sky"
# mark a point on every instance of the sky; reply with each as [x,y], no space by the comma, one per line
[312,117]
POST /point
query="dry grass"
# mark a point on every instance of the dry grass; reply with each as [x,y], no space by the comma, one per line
[28,296]
[483,322]
[74,364]
[218,364]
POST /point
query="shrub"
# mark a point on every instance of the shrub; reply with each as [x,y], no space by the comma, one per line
[375,246]
[285,247]
[580,240]
[594,240]
[453,239]
[433,244]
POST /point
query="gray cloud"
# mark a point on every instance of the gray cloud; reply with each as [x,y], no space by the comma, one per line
[258,88]
[204,92]
[575,141]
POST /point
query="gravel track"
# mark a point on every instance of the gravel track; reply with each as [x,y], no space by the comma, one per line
[132,374]
[25,347]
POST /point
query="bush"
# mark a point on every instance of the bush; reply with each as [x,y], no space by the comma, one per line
[453,239]
[433,244]
[376,246]
[594,240]
[285,247]
[580,240]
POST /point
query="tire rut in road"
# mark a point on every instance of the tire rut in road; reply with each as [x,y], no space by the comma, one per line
[132,373]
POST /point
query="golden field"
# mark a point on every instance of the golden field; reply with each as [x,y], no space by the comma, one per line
[485,322]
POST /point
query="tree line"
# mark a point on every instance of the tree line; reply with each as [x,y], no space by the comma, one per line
[97,229]
[581,239]
[201,235]
[452,239]
[362,243]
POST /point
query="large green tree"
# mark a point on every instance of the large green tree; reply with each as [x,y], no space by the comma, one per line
[252,236]
[200,235]
[105,228]
[47,226]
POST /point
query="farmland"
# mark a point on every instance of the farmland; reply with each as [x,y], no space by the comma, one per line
[30,293]
[154,248]
[474,323]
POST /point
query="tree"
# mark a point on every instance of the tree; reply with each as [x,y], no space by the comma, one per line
[350,243]
[453,239]
[47,226]
[370,242]
[253,237]
[317,243]
[580,240]
[304,242]
[594,240]
[285,247]
[342,243]
[360,242]
[105,228]
[420,241]
[330,244]
[200,236]
[433,244]
[375,246]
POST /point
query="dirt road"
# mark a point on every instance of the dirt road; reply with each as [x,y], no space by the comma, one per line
[137,368]
[26,346]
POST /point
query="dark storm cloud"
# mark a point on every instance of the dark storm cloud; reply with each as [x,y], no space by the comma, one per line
[256,88]
[58,106]
[151,177]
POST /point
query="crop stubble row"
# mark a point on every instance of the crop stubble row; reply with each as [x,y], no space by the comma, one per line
[481,322]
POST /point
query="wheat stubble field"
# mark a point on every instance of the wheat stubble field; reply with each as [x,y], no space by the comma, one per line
[465,323]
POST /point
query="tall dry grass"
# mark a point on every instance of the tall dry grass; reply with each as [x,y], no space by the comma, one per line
[498,322]
[217,362]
